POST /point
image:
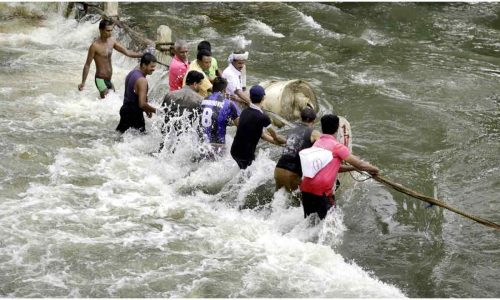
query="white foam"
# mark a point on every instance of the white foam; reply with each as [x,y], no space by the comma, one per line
[364,78]
[307,269]
[309,20]
[383,87]
[6,91]
[263,28]
[55,31]
[240,41]
[209,33]
[375,38]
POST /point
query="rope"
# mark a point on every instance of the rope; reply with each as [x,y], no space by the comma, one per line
[359,180]
[165,43]
[165,65]
[280,118]
[400,188]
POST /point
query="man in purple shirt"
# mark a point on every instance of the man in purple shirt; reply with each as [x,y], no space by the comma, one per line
[135,99]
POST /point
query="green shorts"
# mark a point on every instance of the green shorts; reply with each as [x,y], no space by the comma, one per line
[103,84]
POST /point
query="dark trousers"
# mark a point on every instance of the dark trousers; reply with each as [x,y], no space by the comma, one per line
[317,204]
[131,117]
[243,163]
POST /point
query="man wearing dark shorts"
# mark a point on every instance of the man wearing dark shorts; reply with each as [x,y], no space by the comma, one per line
[135,99]
[252,126]
[288,172]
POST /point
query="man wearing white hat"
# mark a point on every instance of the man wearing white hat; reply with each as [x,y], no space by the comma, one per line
[233,76]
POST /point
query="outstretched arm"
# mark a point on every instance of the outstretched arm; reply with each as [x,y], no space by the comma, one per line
[119,47]
[362,165]
[86,67]
[267,137]
[271,136]
[242,97]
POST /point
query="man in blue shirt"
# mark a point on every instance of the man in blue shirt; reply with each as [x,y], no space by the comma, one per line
[217,113]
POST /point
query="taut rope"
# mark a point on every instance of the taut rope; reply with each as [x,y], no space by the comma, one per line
[400,188]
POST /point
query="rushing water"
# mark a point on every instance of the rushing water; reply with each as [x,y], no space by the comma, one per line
[84,213]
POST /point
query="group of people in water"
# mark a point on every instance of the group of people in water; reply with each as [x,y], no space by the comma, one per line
[216,100]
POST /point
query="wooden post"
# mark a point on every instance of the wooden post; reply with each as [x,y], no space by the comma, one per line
[111,9]
[65,8]
[164,44]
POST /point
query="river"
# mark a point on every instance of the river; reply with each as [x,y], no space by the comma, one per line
[85,213]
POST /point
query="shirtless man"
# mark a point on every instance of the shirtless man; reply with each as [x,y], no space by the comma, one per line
[100,51]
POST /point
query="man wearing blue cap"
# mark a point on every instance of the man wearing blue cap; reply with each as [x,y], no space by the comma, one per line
[252,126]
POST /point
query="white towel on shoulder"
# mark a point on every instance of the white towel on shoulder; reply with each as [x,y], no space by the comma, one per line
[313,160]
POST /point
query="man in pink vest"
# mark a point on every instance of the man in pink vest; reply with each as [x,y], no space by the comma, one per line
[178,66]
[317,191]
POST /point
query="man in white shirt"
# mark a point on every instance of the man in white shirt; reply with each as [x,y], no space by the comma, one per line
[233,76]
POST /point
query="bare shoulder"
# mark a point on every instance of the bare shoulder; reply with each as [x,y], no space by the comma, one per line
[93,46]
[112,42]
[115,43]
[97,45]
[142,81]
[316,133]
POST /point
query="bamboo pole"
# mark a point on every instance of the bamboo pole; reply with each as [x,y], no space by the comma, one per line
[400,188]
